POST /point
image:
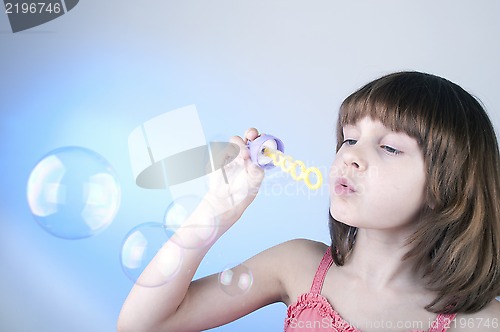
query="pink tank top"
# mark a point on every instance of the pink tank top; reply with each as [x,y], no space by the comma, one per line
[312,311]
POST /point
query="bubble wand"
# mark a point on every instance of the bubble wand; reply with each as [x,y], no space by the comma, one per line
[267,151]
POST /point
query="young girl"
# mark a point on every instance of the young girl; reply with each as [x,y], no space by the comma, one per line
[414,224]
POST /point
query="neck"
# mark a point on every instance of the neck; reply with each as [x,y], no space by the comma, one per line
[377,259]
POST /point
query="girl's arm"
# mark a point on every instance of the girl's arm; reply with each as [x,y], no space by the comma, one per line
[182,305]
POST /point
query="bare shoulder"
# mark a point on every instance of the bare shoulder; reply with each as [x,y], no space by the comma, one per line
[293,264]
[296,250]
[486,319]
[303,248]
[298,253]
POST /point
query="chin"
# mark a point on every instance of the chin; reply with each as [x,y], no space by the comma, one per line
[342,216]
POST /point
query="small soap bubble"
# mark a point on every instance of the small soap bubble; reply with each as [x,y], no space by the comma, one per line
[145,245]
[195,232]
[73,193]
[236,281]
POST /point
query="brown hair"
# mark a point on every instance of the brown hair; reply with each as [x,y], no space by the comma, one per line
[457,246]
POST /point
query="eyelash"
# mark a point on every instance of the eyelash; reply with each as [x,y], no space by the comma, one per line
[349,141]
[391,150]
[387,148]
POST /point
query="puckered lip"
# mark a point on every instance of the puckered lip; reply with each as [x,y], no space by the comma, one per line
[344,186]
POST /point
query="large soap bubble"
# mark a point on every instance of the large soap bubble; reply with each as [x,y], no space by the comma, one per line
[145,246]
[73,193]
[193,220]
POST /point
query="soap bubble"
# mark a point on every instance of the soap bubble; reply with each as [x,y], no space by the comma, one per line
[196,232]
[73,193]
[236,281]
[143,243]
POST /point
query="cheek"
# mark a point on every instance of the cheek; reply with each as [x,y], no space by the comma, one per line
[414,186]
[399,202]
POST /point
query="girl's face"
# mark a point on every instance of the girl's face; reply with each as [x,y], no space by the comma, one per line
[377,179]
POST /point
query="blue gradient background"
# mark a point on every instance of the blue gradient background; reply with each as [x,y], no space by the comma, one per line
[91,76]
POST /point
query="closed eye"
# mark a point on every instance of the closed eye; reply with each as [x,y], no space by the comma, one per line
[391,150]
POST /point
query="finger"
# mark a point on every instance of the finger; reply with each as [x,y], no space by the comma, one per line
[251,134]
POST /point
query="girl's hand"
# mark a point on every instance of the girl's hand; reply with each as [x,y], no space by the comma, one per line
[234,187]
[180,304]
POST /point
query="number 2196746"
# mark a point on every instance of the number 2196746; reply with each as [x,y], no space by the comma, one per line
[32,8]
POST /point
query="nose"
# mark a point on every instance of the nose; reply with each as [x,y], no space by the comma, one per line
[353,157]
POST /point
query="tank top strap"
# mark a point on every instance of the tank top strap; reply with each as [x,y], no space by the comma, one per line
[323,267]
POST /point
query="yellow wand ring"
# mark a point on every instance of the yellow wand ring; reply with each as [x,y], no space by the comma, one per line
[319,178]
